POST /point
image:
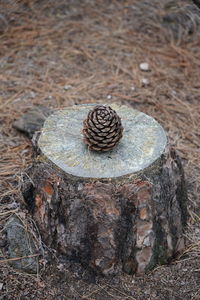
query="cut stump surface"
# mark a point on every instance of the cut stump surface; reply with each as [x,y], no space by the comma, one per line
[120,210]
[143,142]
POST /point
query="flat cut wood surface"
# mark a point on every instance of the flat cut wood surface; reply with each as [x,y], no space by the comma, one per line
[61,141]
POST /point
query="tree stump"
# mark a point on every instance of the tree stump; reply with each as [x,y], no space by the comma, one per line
[120,210]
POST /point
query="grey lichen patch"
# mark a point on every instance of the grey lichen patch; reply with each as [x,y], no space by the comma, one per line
[21,246]
[61,141]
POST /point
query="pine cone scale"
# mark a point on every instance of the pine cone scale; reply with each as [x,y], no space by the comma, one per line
[105,129]
[94,142]
[99,126]
[111,135]
[112,129]
[104,134]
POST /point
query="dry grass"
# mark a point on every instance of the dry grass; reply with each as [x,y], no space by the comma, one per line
[95,47]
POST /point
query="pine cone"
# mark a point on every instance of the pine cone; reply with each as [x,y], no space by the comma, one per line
[102,129]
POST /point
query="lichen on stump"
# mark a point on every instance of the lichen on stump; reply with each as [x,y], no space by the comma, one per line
[120,210]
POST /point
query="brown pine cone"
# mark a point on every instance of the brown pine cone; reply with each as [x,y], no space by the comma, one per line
[102,129]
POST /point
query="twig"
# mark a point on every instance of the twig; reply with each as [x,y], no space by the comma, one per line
[17,258]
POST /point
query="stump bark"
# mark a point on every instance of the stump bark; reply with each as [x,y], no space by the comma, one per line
[120,210]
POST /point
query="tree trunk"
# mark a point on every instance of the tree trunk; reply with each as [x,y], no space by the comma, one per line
[120,210]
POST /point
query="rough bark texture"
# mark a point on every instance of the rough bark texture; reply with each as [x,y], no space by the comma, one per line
[130,223]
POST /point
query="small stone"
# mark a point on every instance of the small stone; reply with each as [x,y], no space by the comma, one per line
[32,120]
[174,93]
[1,286]
[145,81]
[21,245]
[109,97]
[67,87]
[133,88]
[133,281]
[144,67]
[32,94]
[12,205]
[60,267]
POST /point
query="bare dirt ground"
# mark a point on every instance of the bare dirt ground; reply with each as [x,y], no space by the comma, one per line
[60,53]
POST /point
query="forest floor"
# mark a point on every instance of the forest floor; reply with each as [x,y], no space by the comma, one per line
[60,53]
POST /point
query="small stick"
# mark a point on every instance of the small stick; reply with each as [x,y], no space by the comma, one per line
[17,258]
